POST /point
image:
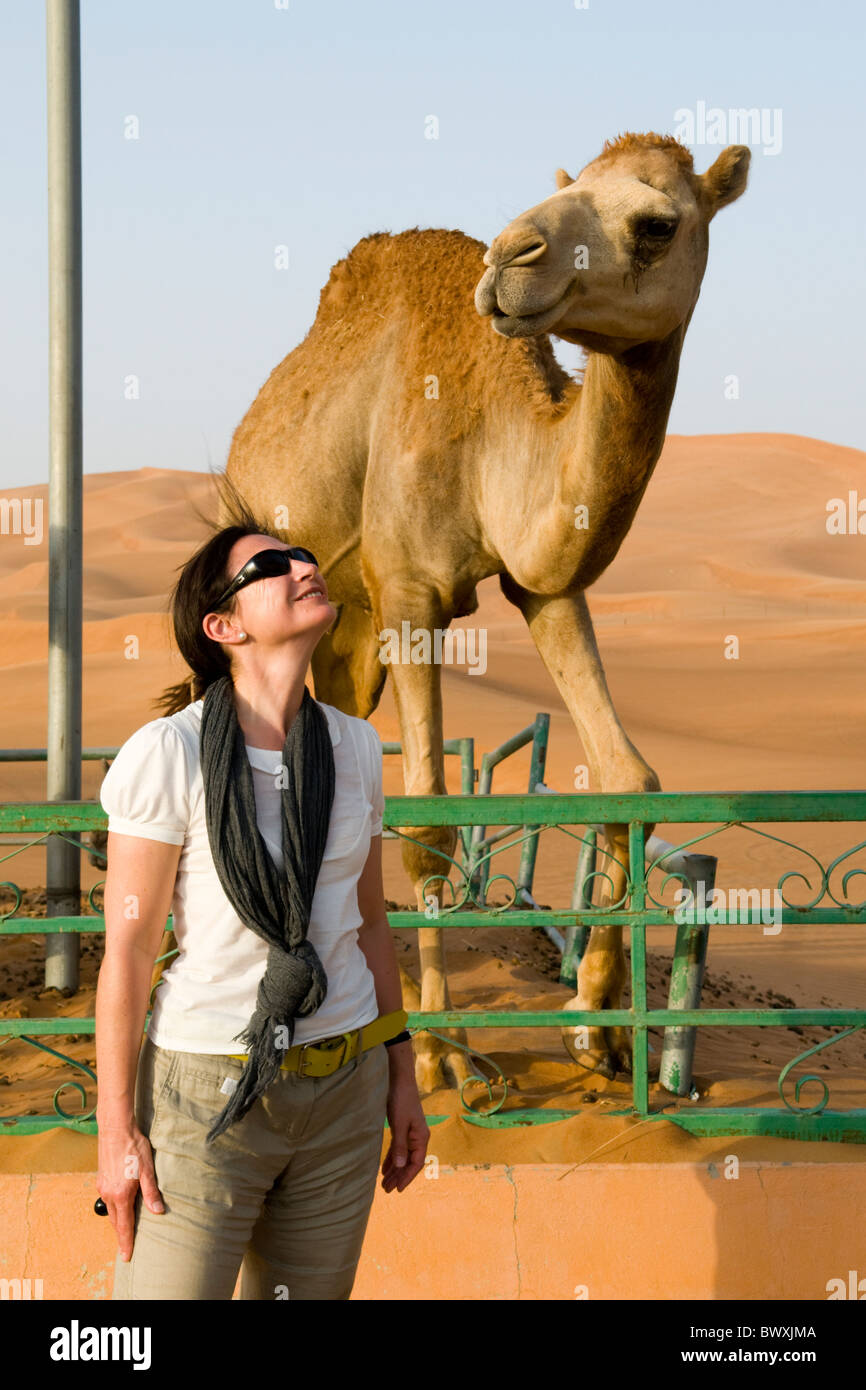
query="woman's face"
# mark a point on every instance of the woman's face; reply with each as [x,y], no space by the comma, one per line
[275,609]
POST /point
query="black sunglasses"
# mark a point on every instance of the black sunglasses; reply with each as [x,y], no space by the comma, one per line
[265,565]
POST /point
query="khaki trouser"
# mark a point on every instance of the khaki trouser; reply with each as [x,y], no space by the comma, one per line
[285,1193]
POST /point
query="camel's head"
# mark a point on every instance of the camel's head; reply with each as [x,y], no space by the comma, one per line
[617,255]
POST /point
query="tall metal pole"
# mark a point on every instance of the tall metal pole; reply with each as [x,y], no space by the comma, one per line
[63,771]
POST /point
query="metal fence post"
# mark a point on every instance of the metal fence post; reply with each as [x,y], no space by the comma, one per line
[63,771]
[576,938]
[687,977]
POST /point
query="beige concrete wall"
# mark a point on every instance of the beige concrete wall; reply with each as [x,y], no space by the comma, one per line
[527,1231]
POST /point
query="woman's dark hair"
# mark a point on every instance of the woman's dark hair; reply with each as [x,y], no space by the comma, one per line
[203,579]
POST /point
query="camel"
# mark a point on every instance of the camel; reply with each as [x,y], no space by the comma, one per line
[423,437]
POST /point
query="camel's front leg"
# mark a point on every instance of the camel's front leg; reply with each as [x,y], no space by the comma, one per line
[418,696]
[600,979]
[437,1063]
[562,630]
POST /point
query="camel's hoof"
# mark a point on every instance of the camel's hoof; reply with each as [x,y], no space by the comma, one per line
[621,1059]
[429,1076]
[590,1049]
[440,1068]
[603,1068]
[459,1064]
[599,1062]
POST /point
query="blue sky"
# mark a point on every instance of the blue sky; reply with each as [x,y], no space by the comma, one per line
[305,126]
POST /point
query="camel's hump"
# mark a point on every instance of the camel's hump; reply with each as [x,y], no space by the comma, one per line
[397,261]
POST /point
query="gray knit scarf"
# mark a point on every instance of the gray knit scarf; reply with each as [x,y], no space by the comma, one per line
[276,906]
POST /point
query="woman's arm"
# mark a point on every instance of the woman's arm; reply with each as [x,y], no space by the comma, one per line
[409,1129]
[139,886]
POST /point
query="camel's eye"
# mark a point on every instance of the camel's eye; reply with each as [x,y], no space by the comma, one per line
[655,229]
[652,237]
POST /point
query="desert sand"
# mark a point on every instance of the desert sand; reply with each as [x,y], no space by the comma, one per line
[731,540]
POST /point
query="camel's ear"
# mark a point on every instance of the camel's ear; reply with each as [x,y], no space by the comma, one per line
[563,179]
[725,180]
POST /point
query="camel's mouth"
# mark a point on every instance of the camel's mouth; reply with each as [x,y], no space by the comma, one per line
[526,325]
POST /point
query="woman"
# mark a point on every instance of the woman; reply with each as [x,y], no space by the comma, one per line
[253,813]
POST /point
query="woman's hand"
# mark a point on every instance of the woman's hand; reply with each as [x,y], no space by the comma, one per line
[125,1164]
[410,1132]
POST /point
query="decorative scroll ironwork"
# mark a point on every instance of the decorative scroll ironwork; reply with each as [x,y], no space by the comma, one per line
[811,1076]
[858,907]
[824,888]
[63,1085]
[468,874]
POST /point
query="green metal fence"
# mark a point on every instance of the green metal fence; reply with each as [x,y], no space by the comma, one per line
[643,904]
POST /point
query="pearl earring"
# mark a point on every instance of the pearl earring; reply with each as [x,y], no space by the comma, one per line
[243,636]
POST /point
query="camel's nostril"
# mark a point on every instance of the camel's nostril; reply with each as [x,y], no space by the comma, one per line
[530,253]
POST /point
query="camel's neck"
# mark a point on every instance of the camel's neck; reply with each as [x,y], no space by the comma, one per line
[610,441]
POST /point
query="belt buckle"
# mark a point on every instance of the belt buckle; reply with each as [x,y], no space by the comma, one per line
[342,1038]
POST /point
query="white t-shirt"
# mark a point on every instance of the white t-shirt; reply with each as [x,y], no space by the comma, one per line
[207,996]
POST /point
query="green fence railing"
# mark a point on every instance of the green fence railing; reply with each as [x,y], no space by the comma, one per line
[645,902]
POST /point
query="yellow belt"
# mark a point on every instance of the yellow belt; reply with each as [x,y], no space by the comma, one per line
[325,1055]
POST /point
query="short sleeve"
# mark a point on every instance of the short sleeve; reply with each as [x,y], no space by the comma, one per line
[145,791]
[377,797]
